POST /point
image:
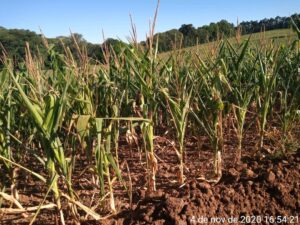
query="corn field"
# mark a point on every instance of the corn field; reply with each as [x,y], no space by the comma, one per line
[60,113]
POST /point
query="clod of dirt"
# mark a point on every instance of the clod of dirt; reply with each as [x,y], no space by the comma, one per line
[244,166]
[173,169]
[142,193]
[160,193]
[279,173]
[174,207]
[193,185]
[146,218]
[230,209]
[159,222]
[247,174]
[271,177]
[204,187]
[232,172]
[281,189]
[233,175]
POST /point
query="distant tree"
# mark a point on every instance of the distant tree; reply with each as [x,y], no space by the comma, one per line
[296,18]
[203,34]
[116,44]
[225,28]
[187,29]
[13,40]
[94,51]
[214,31]
[189,34]
[168,40]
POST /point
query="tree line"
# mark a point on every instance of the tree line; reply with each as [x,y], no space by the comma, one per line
[188,35]
[13,40]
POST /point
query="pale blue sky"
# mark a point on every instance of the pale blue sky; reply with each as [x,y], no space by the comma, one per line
[89,17]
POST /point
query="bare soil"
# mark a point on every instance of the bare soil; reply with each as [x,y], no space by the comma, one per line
[262,185]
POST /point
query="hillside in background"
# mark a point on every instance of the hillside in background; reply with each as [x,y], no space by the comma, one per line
[187,35]
[13,40]
[280,36]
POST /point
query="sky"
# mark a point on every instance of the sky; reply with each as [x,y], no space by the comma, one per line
[91,17]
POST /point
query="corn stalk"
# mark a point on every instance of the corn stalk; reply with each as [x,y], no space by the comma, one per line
[179,108]
[241,71]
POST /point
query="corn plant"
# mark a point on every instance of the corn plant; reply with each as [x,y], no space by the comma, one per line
[104,158]
[178,100]
[288,87]
[53,144]
[209,105]
[5,126]
[47,117]
[267,73]
[240,72]
[144,67]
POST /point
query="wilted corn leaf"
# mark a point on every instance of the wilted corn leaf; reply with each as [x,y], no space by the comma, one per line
[82,125]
